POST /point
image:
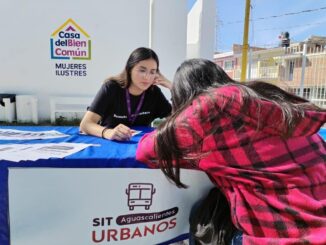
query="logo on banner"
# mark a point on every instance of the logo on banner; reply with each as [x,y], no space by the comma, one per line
[140,194]
[135,225]
[70,42]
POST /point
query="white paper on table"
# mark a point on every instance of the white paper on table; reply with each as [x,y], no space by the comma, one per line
[13,134]
[33,152]
[135,132]
[11,152]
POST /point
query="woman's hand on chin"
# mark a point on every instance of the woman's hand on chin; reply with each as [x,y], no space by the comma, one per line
[163,81]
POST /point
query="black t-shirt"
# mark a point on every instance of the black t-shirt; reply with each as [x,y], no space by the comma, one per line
[111,104]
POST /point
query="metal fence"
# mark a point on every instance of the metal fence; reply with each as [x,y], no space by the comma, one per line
[301,70]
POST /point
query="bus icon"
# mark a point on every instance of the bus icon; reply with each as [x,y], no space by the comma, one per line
[140,194]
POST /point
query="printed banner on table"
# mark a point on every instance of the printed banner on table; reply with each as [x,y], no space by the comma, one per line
[99,206]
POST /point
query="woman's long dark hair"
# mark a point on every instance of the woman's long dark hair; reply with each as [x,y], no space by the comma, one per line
[198,76]
[193,77]
[139,54]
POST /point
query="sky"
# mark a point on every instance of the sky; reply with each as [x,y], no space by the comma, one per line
[301,18]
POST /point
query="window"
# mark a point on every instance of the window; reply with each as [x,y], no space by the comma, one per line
[291,70]
[306,93]
[228,65]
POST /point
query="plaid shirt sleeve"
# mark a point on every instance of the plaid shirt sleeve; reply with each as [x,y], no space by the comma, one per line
[145,151]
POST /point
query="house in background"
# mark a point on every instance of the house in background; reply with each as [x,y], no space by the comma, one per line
[300,68]
[227,61]
[231,61]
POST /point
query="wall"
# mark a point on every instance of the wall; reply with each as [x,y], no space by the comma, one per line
[201,29]
[169,34]
[115,28]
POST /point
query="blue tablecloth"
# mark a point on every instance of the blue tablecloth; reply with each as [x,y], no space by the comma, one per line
[322,132]
[108,154]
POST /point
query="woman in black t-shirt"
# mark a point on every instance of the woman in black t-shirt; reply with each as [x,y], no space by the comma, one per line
[129,99]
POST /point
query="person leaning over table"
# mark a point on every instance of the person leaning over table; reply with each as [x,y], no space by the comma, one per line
[128,99]
[258,144]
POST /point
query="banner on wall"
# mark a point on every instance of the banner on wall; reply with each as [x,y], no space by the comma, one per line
[70,47]
[100,206]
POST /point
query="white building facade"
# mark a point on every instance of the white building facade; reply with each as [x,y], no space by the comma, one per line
[67,48]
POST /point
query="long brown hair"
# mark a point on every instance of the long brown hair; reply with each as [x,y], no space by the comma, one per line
[139,54]
[197,76]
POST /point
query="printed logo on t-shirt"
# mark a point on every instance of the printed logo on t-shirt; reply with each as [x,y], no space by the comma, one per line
[144,113]
[118,116]
[124,116]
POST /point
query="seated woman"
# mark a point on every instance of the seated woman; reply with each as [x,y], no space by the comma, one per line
[259,145]
[129,99]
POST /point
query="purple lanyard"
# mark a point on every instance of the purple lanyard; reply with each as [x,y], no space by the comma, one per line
[132,117]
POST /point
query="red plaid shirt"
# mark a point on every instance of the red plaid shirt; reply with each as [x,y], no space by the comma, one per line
[276,187]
